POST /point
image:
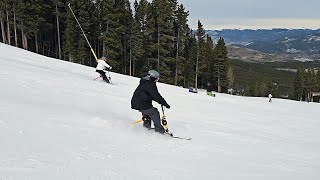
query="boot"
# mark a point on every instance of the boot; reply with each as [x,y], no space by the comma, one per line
[146,121]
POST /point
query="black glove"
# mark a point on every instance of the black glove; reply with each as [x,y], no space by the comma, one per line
[167,106]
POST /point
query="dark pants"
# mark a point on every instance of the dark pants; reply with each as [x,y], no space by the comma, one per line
[153,113]
[103,75]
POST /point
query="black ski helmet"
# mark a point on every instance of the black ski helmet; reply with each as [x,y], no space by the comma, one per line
[154,75]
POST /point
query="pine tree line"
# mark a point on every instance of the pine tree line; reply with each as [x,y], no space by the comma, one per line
[261,89]
[152,35]
[306,82]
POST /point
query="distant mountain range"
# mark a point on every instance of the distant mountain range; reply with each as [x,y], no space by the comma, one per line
[271,45]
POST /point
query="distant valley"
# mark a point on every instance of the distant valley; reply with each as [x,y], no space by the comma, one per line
[275,45]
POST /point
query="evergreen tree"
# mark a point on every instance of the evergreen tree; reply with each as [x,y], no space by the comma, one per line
[230,77]
[310,83]
[137,32]
[200,34]
[249,90]
[161,36]
[15,29]
[31,19]
[318,80]
[151,43]
[94,32]
[208,63]
[48,32]
[299,86]
[111,30]
[71,35]
[83,52]
[4,8]
[221,64]
[256,89]
[58,15]
[125,20]
[181,30]
[189,63]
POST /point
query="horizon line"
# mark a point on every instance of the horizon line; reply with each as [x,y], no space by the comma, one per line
[274,28]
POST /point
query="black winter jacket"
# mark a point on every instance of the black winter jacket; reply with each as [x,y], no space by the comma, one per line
[209,88]
[144,94]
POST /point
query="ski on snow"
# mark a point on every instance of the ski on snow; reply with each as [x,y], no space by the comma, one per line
[172,136]
[177,137]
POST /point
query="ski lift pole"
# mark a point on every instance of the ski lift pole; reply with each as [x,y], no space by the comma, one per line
[164,121]
[94,54]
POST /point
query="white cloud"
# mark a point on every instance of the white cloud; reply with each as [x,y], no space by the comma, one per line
[251,23]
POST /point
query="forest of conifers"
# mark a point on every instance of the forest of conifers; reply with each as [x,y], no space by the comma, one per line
[135,37]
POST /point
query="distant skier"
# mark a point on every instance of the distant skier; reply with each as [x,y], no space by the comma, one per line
[270,97]
[102,65]
[142,100]
[210,89]
[192,90]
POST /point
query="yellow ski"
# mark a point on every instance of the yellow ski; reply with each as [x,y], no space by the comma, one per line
[137,121]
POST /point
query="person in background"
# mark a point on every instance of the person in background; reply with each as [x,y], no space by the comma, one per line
[210,89]
[102,65]
[192,90]
[270,97]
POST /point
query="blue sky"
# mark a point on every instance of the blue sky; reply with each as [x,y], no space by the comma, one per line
[253,14]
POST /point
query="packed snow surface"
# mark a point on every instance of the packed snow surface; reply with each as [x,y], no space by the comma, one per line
[56,123]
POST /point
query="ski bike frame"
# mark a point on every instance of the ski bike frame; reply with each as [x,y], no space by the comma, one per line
[164,120]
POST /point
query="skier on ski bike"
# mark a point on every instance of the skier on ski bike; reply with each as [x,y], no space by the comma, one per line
[102,65]
[142,100]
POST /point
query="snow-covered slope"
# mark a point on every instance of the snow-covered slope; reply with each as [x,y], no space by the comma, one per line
[57,123]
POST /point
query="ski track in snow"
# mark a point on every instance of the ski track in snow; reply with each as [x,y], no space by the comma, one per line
[57,123]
